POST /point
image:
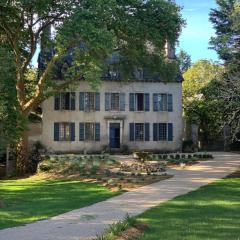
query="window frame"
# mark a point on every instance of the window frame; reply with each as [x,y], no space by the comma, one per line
[141,135]
[165,103]
[63,135]
[93,133]
[87,98]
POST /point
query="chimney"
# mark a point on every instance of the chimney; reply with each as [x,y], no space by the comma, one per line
[170,50]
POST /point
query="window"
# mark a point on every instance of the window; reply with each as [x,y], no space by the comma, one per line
[64,131]
[139,98]
[65,101]
[139,102]
[89,131]
[139,131]
[115,101]
[89,101]
[162,102]
[162,132]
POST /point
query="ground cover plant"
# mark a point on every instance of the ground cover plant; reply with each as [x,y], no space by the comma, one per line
[26,200]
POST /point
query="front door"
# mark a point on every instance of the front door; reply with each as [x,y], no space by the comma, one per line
[114,135]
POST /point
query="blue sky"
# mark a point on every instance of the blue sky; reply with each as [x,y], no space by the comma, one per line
[195,36]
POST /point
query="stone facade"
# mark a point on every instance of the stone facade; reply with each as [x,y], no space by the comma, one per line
[123,119]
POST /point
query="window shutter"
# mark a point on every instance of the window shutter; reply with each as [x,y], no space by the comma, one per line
[107,102]
[57,102]
[147,131]
[155,102]
[131,132]
[147,102]
[170,102]
[155,132]
[122,101]
[81,131]
[72,131]
[132,102]
[97,101]
[73,100]
[81,101]
[56,131]
[97,131]
[170,132]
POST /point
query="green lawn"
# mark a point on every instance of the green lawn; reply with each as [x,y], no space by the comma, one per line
[210,213]
[32,199]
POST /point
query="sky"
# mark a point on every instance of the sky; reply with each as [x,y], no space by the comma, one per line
[196,35]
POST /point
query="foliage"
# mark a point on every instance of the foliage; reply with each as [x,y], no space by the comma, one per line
[117,228]
[187,217]
[226,21]
[32,199]
[8,103]
[200,97]
[88,32]
[184,61]
[75,164]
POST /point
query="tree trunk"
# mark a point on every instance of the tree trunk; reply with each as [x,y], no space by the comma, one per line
[23,161]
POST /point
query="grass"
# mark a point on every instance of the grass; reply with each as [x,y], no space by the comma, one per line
[209,213]
[32,199]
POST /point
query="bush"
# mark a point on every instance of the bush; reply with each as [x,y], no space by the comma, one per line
[177,156]
[188,146]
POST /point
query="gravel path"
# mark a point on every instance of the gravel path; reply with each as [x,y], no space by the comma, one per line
[87,222]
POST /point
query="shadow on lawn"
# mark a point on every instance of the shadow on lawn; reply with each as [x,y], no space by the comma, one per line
[25,201]
[212,213]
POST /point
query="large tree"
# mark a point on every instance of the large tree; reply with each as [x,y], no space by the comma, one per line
[226,21]
[89,31]
[200,103]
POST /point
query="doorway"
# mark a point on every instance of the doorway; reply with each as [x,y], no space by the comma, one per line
[114,135]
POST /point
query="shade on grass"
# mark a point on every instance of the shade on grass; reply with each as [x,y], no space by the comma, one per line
[29,200]
[210,213]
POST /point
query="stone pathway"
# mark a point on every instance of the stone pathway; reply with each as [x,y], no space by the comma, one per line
[87,222]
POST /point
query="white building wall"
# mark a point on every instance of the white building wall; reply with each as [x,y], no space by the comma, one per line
[104,117]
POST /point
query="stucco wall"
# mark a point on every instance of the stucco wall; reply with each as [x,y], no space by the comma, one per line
[50,116]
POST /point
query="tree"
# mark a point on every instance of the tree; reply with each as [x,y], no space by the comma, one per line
[200,102]
[226,22]
[184,61]
[89,31]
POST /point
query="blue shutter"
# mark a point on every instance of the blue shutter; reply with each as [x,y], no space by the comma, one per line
[57,102]
[146,102]
[97,101]
[170,132]
[147,131]
[72,129]
[131,132]
[132,102]
[56,131]
[122,101]
[81,131]
[170,102]
[155,102]
[107,102]
[73,100]
[155,132]
[81,101]
[97,131]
